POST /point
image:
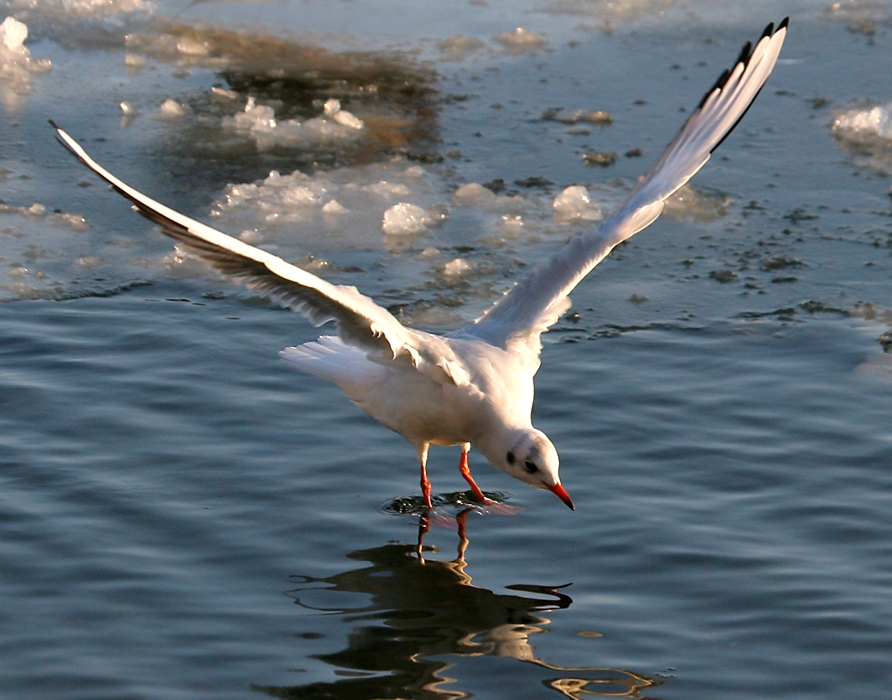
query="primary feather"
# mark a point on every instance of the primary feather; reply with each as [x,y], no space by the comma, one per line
[539,298]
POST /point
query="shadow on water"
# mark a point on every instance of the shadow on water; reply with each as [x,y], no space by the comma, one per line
[421,610]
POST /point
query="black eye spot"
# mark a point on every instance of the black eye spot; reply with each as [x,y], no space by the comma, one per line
[530,467]
[510,458]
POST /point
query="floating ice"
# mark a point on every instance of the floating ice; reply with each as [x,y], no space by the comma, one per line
[456,268]
[405,219]
[134,62]
[478,196]
[866,132]
[334,208]
[170,110]
[521,41]
[259,122]
[71,10]
[695,204]
[193,46]
[13,32]
[607,9]
[598,117]
[864,126]
[574,204]
[224,95]
[332,110]
[458,48]
[861,16]
[339,208]
[16,64]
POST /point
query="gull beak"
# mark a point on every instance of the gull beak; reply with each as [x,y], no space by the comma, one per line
[559,491]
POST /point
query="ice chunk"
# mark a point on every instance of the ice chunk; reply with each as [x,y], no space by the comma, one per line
[332,110]
[607,10]
[690,204]
[170,110]
[259,122]
[16,64]
[14,33]
[864,126]
[405,219]
[223,94]
[334,208]
[192,46]
[521,41]
[456,268]
[134,62]
[386,189]
[76,222]
[866,132]
[574,204]
[457,47]
[598,117]
[478,196]
[71,10]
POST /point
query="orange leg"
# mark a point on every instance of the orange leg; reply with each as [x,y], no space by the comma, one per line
[425,484]
[466,472]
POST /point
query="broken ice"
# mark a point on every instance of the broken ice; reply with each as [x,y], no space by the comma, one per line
[16,64]
[259,122]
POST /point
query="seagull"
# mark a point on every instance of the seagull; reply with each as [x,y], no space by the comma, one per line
[473,386]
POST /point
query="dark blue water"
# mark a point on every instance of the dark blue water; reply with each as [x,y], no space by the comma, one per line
[183,516]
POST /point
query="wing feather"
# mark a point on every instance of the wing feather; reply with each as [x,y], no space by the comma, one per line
[516,321]
[360,321]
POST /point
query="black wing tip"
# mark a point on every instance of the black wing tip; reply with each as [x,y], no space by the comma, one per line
[744,57]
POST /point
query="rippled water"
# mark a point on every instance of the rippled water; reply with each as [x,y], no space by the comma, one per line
[183,516]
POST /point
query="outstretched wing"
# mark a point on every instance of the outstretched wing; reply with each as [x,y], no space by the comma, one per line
[540,297]
[360,321]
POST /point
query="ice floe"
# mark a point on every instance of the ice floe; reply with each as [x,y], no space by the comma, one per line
[259,122]
[866,132]
[864,125]
[17,66]
[522,41]
[62,11]
[574,204]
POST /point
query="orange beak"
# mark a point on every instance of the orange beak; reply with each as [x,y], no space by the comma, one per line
[563,495]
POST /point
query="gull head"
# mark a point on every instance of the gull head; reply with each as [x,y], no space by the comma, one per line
[528,455]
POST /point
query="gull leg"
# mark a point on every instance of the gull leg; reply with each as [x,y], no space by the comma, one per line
[466,472]
[425,484]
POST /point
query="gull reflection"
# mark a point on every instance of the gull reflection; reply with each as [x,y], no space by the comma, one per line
[422,621]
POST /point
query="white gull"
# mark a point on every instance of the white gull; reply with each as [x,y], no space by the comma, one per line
[473,386]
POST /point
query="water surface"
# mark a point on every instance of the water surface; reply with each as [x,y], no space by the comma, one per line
[183,516]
